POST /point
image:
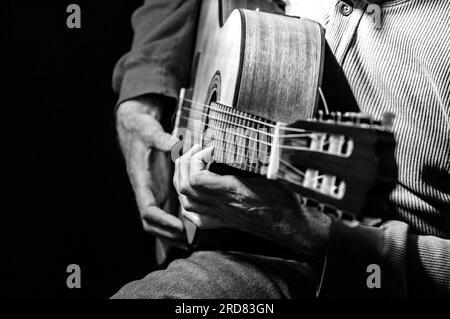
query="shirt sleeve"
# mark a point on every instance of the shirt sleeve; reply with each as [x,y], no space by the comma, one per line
[410,265]
[160,57]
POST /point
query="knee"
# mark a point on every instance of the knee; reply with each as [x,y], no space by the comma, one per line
[183,279]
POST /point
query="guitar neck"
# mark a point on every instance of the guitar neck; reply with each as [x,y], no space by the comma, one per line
[240,140]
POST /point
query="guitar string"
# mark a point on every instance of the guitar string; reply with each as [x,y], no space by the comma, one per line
[303,174]
[285,128]
[224,160]
[227,122]
[246,117]
[246,127]
[259,166]
[297,148]
[242,156]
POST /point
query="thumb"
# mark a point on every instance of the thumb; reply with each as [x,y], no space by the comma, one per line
[153,135]
[163,141]
[201,159]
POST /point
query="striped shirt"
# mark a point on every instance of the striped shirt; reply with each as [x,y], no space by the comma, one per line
[402,67]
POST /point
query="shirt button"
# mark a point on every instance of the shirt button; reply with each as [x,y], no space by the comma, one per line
[344,8]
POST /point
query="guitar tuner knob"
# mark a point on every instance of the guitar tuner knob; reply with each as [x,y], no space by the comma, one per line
[350,115]
[387,120]
[319,116]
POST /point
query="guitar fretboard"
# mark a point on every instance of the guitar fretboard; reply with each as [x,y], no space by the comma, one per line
[240,140]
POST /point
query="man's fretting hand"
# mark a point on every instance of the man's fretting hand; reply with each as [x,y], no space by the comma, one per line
[144,143]
[258,206]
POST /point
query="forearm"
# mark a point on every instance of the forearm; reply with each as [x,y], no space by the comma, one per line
[411,266]
[160,58]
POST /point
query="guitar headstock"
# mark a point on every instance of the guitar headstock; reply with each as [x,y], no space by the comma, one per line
[341,161]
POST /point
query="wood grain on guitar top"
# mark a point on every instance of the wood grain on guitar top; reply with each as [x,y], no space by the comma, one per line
[282,66]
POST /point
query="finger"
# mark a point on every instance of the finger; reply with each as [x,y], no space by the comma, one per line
[214,184]
[201,215]
[151,132]
[158,217]
[203,221]
[164,233]
[142,180]
[140,176]
[176,176]
[200,160]
[194,206]
[175,243]
[163,141]
[183,170]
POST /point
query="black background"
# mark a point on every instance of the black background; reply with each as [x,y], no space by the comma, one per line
[65,195]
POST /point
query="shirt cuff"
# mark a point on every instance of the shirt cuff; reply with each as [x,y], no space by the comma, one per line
[148,79]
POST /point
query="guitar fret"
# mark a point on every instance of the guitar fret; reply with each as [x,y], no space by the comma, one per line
[253,146]
[245,146]
[240,139]
[222,137]
[218,137]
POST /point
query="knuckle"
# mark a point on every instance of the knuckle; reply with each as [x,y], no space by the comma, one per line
[185,188]
[175,180]
[148,228]
[123,111]
[187,205]
[195,181]
[198,180]
[231,183]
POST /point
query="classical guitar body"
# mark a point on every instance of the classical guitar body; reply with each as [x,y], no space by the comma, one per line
[267,64]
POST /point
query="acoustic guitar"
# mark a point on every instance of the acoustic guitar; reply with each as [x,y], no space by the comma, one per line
[254,97]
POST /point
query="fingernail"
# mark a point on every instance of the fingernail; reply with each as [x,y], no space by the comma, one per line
[209,154]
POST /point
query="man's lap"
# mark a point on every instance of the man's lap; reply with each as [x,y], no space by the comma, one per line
[215,274]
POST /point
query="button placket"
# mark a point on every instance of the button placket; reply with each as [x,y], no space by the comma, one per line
[348,24]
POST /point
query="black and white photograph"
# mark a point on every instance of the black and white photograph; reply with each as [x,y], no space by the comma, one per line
[238,157]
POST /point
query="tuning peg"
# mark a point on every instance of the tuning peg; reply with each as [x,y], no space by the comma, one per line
[364,118]
[350,116]
[319,116]
[333,116]
[387,120]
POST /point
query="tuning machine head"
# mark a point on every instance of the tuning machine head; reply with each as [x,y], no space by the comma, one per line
[319,116]
[387,120]
[333,116]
